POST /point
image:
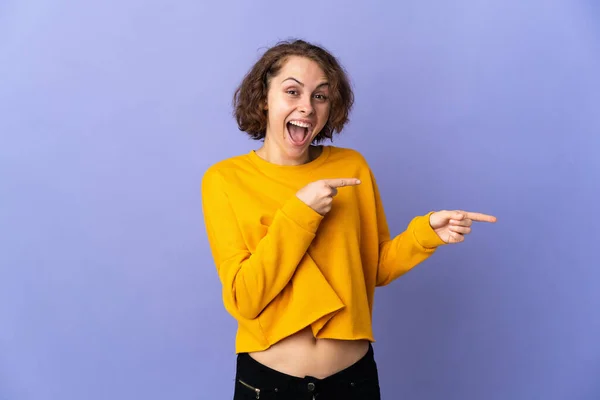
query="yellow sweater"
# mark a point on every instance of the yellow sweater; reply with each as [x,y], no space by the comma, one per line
[284,267]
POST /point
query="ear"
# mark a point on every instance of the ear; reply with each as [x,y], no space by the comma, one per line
[263,105]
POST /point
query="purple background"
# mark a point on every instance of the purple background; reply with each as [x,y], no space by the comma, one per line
[111,111]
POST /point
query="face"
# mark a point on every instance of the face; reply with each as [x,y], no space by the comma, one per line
[297,109]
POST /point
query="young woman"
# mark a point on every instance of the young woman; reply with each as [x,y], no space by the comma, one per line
[299,235]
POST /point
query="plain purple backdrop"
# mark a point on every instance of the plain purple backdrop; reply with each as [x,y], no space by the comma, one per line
[111,111]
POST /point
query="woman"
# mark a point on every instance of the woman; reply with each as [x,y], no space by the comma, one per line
[299,235]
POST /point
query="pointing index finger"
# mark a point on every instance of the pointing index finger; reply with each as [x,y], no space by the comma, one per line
[340,182]
[480,217]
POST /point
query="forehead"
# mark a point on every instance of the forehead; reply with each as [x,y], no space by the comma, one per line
[303,69]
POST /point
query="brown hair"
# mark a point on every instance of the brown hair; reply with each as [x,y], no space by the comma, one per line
[251,96]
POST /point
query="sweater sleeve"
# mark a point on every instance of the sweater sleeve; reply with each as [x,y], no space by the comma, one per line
[251,280]
[400,254]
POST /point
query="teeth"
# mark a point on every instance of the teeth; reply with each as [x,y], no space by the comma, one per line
[300,124]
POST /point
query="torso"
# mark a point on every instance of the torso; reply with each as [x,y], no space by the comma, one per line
[302,355]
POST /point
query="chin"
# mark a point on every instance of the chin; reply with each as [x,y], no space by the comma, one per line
[295,147]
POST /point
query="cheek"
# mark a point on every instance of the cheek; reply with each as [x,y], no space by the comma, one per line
[281,106]
[274,112]
[323,111]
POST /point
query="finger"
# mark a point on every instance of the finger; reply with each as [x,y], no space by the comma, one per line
[341,182]
[450,215]
[464,222]
[480,217]
[456,237]
[464,230]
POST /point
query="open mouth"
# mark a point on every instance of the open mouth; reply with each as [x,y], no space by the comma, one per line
[298,132]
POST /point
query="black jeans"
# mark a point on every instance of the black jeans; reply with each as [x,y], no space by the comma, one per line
[254,380]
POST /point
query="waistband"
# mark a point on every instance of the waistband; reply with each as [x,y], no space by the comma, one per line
[364,369]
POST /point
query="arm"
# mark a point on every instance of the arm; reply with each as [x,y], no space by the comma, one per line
[251,280]
[400,254]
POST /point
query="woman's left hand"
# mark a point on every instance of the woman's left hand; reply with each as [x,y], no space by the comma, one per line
[451,226]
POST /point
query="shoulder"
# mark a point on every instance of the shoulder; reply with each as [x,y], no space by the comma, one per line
[217,174]
[347,155]
[353,162]
[228,166]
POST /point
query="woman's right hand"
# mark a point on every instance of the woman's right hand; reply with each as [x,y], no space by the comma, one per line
[319,195]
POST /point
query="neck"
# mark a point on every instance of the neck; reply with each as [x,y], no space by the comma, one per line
[272,153]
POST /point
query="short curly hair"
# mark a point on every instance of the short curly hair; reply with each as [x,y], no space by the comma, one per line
[251,95]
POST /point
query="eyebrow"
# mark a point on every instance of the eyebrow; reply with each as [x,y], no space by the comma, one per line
[302,84]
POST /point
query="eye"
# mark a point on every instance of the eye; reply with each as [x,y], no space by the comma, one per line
[292,92]
[321,97]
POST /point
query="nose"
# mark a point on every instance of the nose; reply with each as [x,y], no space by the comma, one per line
[305,106]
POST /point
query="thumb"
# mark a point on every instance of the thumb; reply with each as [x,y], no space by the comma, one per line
[457,215]
[448,215]
[441,218]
